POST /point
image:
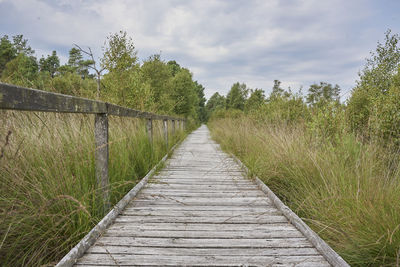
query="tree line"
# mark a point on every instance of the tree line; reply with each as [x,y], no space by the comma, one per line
[117,76]
[372,112]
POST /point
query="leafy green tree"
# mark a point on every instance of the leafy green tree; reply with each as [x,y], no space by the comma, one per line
[22,70]
[120,60]
[119,53]
[277,90]
[21,45]
[322,93]
[379,70]
[216,101]
[10,50]
[77,64]
[7,52]
[371,112]
[236,97]
[201,110]
[50,64]
[174,67]
[184,94]
[156,73]
[255,101]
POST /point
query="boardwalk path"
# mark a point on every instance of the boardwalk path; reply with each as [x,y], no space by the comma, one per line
[200,210]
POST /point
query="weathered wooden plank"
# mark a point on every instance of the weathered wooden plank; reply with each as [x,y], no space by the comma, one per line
[205,243]
[235,199]
[204,176]
[185,219]
[201,213]
[203,251]
[19,98]
[192,260]
[165,130]
[200,182]
[101,158]
[181,193]
[202,187]
[172,207]
[202,203]
[203,226]
[205,234]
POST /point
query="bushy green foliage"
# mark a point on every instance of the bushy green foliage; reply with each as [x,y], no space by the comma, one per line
[282,109]
[327,123]
[154,86]
[372,110]
[322,93]
[50,64]
[215,102]
[22,70]
[236,97]
[255,101]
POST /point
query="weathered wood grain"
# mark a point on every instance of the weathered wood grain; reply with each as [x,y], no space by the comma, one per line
[192,260]
[204,251]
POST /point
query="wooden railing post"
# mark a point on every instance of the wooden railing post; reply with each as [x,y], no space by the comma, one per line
[173,127]
[165,128]
[101,157]
[149,128]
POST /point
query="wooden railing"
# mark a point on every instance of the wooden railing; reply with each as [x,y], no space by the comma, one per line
[19,98]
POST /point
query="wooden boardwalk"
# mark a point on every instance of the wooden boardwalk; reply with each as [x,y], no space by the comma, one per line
[201,211]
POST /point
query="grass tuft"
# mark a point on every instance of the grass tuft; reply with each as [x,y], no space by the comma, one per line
[47,179]
[347,192]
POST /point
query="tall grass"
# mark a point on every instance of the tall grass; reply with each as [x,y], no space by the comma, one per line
[349,193]
[47,179]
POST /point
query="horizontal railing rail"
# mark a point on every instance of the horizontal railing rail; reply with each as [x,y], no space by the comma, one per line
[19,98]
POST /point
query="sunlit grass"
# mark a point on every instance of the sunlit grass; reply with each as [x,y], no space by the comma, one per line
[47,179]
[348,193]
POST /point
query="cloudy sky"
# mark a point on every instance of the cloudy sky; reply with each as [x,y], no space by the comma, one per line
[254,41]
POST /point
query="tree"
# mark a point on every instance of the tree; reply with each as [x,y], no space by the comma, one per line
[216,101]
[119,53]
[174,67]
[184,94]
[22,70]
[276,89]
[373,110]
[10,50]
[50,64]
[91,63]
[382,66]
[201,110]
[255,101]
[319,94]
[78,64]
[236,97]
[7,52]
[157,74]
[21,45]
